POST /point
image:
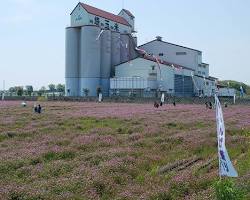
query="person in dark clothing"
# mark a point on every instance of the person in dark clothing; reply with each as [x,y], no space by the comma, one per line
[174,103]
[156,105]
[226,105]
[35,109]
[39,109]
[210,105]
[161,104]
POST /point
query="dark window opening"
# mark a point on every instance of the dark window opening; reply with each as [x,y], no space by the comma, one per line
[181,53]
[116,27]
[106,24]
[97,21]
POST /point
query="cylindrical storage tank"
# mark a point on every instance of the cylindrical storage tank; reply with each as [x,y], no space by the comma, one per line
[115,51]
[90,60]
[125,45]
[72,48]
[105,61]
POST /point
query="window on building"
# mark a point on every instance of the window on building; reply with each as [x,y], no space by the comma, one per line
[199,72]
[181,53]
[97,21]
[203,73]
[116,27]
[153,67]
[102,24]
[111,27]
[161,54]
[91,21]
[207,83]
[106,24]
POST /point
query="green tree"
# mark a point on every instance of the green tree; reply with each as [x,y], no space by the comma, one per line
[29,89]
[19,90]
[52,87]
[12,89]
[42,91]
[236,85]
[60,88]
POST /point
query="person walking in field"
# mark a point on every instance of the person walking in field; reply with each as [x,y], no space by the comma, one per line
[35,108]
[156,105]
[39,109]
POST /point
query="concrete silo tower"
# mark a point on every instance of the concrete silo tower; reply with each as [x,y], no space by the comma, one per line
[96,42]
[72,61]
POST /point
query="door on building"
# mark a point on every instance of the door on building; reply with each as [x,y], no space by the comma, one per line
[183,86]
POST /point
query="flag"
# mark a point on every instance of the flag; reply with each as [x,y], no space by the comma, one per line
[159,66]
[162,97]
[101,32]
[141,50]
[226,167]
[100,97]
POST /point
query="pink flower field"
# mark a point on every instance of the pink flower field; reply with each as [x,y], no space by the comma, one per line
[87,150]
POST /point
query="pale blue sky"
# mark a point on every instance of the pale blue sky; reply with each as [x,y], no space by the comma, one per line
[32,34]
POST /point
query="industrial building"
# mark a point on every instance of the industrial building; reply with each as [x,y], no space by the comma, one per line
[102,53]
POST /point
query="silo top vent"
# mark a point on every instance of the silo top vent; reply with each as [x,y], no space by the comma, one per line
[159,38]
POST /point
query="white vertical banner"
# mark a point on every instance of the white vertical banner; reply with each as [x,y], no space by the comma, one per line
[3,96]
[100,97]
[162,97]
[226,167]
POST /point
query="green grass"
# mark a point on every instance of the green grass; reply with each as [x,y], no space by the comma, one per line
[10,167]
[50,171]
[51,156]
[3,137]
[205,151]
[130,164]
[241,132]
[185,126]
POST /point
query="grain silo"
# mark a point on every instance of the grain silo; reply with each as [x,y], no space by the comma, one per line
[105,61]
[72,61]
[90,60]
[115,51]
[93,48]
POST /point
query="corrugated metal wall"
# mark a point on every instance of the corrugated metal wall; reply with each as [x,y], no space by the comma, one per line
[183,86]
